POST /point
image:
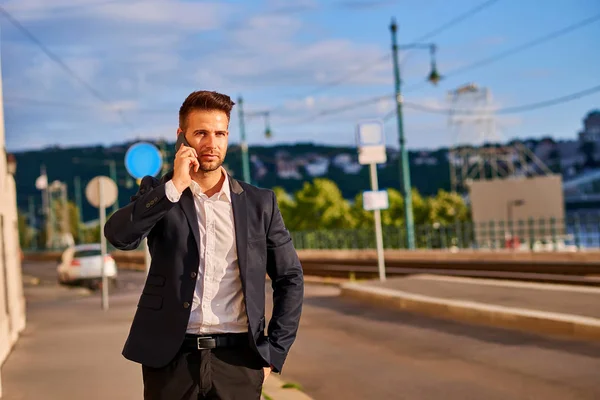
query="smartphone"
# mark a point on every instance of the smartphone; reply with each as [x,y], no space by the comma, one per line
[181,140]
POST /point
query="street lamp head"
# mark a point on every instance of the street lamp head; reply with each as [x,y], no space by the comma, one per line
[268,132]
[434,77]
[393,26]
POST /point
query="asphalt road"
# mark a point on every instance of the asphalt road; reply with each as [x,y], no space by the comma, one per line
[347,350]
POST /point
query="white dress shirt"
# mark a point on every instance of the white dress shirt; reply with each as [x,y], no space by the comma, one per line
[218,304]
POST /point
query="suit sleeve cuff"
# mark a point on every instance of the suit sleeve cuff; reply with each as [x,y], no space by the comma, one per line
[171,191]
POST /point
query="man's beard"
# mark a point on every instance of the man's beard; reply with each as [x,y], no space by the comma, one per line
[209,166]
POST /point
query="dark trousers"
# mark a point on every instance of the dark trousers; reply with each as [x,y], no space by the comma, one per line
[224,373]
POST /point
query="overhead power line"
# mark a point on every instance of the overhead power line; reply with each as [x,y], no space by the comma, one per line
[504,110]
[514,50]
[548,103]
[364,102]
[447,25]
[372,64]
[60,62]
[343,108]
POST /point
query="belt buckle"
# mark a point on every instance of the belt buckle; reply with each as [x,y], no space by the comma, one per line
[209,339]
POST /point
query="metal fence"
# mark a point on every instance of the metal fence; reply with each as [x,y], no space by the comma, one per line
[573,233]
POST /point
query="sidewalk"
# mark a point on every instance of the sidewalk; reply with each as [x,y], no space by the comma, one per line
[563,310]
[71,349]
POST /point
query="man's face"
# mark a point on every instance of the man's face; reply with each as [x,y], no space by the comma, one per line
[207,133]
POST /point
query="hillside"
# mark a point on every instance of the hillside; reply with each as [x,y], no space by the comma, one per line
[287,166]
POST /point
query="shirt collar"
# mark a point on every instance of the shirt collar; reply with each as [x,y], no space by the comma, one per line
[224,192]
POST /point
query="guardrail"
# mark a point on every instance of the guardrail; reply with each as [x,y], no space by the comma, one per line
[363,263]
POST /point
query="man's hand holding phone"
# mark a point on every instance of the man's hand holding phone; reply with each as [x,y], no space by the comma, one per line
[186,161]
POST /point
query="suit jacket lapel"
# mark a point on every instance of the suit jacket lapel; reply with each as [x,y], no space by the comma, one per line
[240,218]
[187,204]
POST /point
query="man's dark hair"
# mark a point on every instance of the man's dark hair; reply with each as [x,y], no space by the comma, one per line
[204,100]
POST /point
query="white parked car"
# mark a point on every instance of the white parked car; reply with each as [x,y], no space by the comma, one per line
[82,264]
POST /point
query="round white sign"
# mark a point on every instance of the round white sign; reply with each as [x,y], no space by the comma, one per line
[109,191]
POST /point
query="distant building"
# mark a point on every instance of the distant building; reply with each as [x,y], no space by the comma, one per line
[425,158]
[317,166]
[287,170]
[591,127]
[259,167]
[347,163]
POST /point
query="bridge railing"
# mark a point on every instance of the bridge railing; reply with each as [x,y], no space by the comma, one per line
[574,233]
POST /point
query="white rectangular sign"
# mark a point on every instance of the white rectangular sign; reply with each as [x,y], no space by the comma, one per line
[372,155]
[375,200]
[370,138]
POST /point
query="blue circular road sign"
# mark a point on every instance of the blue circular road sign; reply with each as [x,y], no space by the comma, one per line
[143,159]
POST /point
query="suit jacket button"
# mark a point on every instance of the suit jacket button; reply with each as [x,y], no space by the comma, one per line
[193,274]
[186,305]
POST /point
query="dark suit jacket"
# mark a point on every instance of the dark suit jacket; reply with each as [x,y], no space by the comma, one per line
[264,247]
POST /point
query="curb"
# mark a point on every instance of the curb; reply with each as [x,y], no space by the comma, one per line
[564,325]
[273,390]
[337,282]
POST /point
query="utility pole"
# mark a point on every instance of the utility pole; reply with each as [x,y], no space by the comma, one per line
[32,222]
[77,188]
[112,171]
[243,143]
[112,165]
[433,77]
[46,206]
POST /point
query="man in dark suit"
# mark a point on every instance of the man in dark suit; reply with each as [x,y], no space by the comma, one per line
[199,327]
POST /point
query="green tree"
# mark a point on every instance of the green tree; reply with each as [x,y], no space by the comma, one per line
[448,208]
[420,208]
[91,234]
[286,204]
[319,205]
[554,161]
[25,231]
[588,149]
[72,215]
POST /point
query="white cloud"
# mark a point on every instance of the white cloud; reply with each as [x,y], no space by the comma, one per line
[144,56]
[177,15]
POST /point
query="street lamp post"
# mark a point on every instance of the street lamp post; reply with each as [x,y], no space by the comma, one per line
[434,78]
[243,143]
[112,165]
[509,208]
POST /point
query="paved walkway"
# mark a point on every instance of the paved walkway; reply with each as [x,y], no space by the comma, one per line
[71,349]
[575,300]
[565,310]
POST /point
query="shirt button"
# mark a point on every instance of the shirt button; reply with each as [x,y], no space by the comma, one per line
[193,274]
[186,305]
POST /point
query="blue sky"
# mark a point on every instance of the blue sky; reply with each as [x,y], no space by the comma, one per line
[143,57]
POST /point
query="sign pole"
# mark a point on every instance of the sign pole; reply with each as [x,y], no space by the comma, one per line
[143,159]
[103,245]
[378,230]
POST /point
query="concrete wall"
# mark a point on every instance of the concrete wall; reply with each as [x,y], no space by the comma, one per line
[542,198]
[12,301]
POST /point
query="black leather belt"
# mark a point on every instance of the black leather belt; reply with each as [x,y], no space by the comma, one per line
[201,342]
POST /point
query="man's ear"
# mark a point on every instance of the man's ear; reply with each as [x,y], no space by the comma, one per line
[179,131]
